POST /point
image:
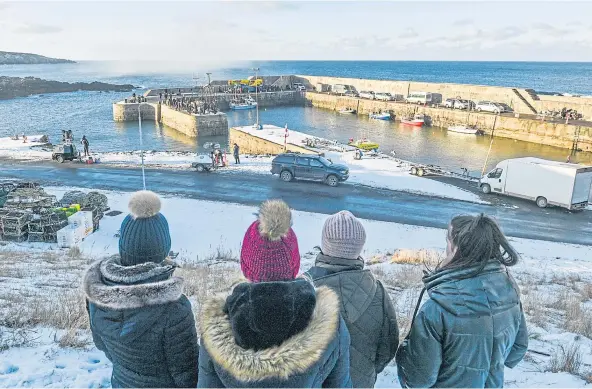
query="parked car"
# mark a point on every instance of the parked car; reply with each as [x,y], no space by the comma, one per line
[505,107]
[488,106]
[449,103]
[367,95]
[308,167]
[424,98]
[351,93]
[343,90]
[383,96]
[464,104]
[298,86]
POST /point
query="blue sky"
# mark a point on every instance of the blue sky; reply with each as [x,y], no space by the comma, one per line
[225,31]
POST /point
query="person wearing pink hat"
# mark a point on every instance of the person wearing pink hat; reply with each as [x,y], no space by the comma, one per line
[275,330]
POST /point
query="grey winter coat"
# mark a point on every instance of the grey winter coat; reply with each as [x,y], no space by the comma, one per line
[143,323]
[368,313]
[466,332]
[317,356]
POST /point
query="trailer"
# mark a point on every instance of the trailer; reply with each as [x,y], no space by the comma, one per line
[545,182]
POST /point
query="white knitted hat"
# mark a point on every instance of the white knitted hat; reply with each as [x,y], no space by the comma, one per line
[343,236]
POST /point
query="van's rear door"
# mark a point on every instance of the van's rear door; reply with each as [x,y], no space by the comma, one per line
[581,190]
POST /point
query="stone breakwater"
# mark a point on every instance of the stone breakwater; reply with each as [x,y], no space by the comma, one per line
[188,124]
[574,137]
[194,125]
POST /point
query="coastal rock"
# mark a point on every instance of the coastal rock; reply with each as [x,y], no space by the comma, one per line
[11,87]
[10,58]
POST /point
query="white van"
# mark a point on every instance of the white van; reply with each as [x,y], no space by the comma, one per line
[561,184]
[424,98]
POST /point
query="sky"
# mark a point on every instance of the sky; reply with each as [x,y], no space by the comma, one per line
[218,32]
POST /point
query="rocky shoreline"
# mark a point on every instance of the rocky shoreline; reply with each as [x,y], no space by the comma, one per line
[13,87]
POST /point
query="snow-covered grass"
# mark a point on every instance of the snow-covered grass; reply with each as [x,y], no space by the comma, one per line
[39,284]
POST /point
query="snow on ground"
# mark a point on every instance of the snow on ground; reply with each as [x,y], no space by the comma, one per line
[209,232]
[11,148]
[378,172]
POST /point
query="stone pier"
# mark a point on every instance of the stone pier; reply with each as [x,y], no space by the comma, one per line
[189,124]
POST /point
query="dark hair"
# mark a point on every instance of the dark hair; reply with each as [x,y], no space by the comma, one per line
[478,240]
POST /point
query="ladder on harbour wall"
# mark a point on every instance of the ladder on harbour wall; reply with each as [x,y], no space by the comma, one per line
[530,107]
[576,140]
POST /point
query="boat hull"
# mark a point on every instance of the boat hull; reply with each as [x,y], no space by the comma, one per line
[463,130]
[380,117]
[414,123]
[242,107]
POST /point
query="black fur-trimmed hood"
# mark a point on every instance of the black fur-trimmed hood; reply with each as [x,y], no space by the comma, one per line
[295,355]
[108,284]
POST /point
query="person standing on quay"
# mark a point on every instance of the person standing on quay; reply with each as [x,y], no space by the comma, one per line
[236,153]
[84,142]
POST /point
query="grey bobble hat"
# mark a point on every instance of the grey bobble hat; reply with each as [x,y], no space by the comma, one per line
[343,236]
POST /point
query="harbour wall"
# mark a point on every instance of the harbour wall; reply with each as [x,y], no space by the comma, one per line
[525,101]
[519,99]
[529,130]
[126,112]
[251,144]
[188,124]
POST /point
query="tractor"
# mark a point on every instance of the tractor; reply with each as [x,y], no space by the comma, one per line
[65,152]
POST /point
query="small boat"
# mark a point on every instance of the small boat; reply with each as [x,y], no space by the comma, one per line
[380,116]
[416,121]
[247,104]
[364,144]
[349,110]
[471,130]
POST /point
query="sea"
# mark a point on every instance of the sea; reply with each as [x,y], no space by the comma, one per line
[90,113]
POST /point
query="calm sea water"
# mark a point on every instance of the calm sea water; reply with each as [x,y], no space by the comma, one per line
[90,113]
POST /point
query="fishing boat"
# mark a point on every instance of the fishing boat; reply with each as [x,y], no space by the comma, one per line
[364,144]
[381,116]
[248,103]
[471,130]
[416,121]
[348,110]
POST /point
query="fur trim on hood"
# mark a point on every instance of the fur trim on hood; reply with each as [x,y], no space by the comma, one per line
[295,355]
[110,285]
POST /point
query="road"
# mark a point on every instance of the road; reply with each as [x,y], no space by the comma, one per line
[518,218]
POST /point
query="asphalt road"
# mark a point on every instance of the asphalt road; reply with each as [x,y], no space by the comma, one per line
[518,218]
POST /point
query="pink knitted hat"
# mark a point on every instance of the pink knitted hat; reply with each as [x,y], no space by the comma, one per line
[270,247]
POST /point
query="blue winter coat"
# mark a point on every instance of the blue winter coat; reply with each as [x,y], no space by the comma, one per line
[315,357]
[467,331]
[143,323]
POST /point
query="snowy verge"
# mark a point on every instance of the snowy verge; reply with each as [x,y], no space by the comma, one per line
[208,232]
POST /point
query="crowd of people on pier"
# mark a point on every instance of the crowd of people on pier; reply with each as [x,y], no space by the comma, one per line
[136,99]
[191,105]
[332,326]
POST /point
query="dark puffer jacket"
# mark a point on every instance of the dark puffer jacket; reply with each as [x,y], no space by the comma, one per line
[144,324]
[368,313]
[466,332]
[274,334]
